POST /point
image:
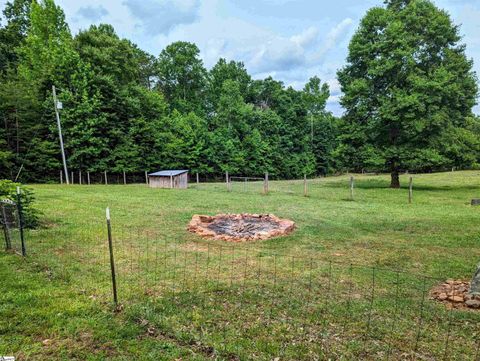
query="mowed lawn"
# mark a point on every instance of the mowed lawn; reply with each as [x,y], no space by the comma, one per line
[56,304]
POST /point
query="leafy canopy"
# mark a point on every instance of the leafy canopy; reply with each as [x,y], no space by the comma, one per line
[407,84]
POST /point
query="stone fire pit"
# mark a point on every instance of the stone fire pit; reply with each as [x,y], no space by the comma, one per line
[240,227]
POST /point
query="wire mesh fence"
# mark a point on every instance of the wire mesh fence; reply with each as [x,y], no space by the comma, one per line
[11,226]
[106,178]
[245,301]
[303,186]
[256,185]
[250,303]
[247,184]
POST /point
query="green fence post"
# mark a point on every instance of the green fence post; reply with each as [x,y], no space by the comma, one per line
[112,262]
[21,222]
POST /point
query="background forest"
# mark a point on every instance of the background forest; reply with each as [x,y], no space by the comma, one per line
[408,97]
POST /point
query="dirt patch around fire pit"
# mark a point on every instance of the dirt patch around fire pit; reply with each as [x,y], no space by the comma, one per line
[240,227]
[454,293]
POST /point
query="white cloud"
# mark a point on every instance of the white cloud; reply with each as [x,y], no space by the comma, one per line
[333,37]
[160,16]
[92,13]
[334,86]
[306,38]
[333,99]
[277,54]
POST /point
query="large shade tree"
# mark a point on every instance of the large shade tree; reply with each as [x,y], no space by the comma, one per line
[407,84]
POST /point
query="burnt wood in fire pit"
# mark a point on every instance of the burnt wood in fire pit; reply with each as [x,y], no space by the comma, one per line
[240,227]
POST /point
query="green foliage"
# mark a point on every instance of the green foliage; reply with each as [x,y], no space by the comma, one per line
[8,190]
[221,72]
[408,91]
[13,33]
[63,288]
[124,110]
[182,77]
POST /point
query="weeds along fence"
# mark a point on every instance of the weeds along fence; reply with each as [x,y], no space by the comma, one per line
[240,301]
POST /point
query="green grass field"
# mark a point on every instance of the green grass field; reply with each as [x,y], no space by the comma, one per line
[328,290]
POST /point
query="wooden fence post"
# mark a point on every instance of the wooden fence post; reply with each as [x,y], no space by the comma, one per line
[198,180]
[171,181]
[124,178]
[112,261]
[79,177]
[88,178]
[106,180]
[61,176]
[305,189]
[352,181]
[146,177]
[410,190]
[73,181]
[227,181]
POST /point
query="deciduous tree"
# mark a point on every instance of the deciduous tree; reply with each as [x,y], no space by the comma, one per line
[407,84]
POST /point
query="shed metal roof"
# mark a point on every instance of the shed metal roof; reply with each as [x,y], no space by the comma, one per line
[168,173]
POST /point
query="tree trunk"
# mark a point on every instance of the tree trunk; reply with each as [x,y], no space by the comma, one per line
[395,180]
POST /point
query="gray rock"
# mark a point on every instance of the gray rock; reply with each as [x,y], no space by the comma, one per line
[475,284]
[473,303]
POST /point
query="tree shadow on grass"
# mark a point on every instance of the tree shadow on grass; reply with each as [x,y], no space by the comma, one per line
[385,184]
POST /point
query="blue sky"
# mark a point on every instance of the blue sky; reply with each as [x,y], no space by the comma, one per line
[289,40]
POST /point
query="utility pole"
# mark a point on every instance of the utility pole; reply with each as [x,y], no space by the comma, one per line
[60,134]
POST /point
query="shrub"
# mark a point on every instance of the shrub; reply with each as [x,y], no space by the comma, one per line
[8,190]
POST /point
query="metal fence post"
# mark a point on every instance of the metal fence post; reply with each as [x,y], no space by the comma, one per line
[106,180]
[410,190]
[352,182]
[305,189]
[265,183]
[146,177]
[8,243]
[112,262]
[20,222]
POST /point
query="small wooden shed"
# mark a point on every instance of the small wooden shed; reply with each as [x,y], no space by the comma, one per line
[169,179]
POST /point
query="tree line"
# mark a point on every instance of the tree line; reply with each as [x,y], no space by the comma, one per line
[408,96]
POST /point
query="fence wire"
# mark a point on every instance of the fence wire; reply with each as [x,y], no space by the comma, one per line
[239,301]
[10,224]
[252,303]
